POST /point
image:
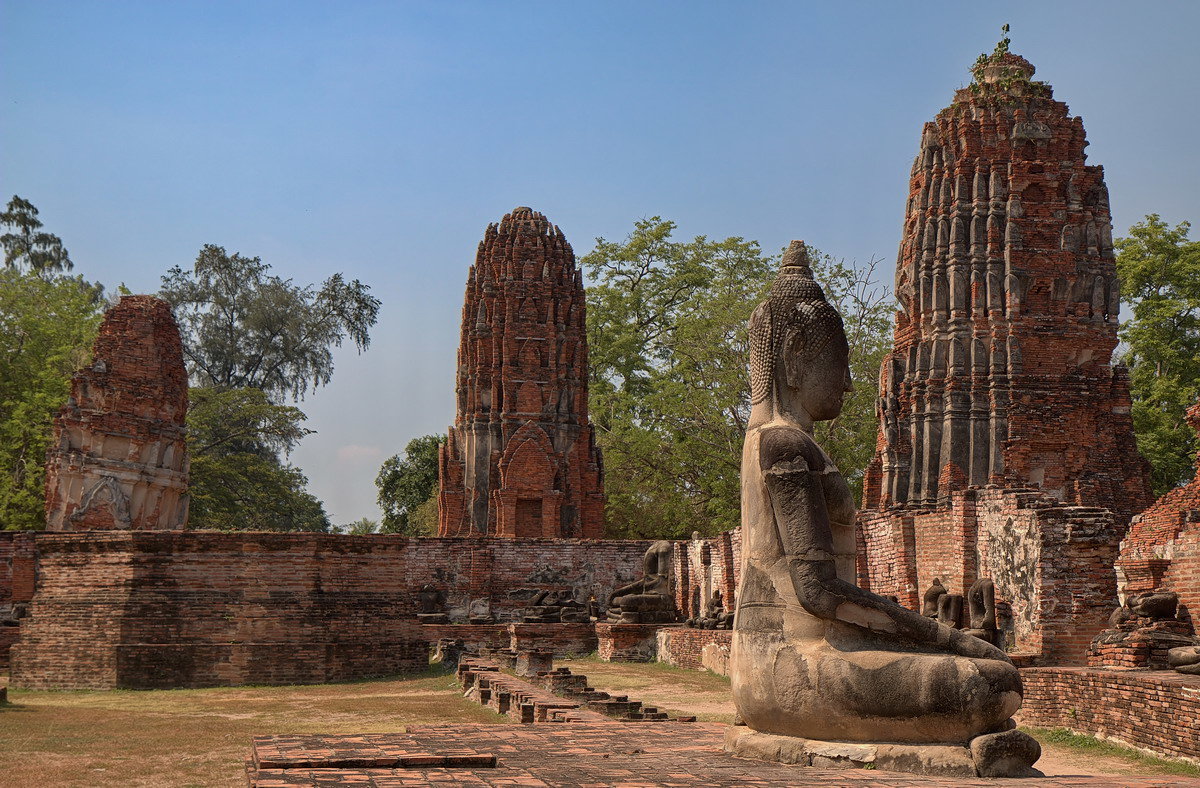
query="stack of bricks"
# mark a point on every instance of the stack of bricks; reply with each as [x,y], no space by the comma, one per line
[1155,711]
[118,459]
[1000,376]
[521,459]
[1146,646]
[684,647]
[1161,552]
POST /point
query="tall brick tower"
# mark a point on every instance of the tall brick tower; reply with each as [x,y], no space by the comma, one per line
[521,459]
[1001,374]
[119,455]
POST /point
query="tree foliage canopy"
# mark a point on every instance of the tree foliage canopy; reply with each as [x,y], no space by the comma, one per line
[669,355]
[407,483]
[1160,279]
[47,325]
[238,481]
[38,252]
[245,328]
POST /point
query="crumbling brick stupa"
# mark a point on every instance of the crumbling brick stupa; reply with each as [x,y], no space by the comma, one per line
[118,459]
[1006,447]
[521,459]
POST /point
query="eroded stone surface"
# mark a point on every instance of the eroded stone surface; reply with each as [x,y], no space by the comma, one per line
[118,459]
[521,458]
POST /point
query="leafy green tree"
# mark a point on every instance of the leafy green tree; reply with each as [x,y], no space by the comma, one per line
[47,325]
[1159,270]
[667,334]
[39,252]
[361,527]
[407,483]
[245,328]
[238,481]
[251,341]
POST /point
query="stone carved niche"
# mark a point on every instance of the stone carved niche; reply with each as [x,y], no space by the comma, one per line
[118,458]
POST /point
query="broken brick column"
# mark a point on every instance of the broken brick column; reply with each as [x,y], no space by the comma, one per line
[118,459]
[521,459]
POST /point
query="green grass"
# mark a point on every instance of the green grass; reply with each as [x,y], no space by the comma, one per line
[1093,746]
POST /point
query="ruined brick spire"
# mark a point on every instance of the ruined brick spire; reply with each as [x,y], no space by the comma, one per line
[521,458]
[1001,369]
[118,459]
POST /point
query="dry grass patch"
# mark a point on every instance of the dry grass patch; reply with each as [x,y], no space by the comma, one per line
[199,737]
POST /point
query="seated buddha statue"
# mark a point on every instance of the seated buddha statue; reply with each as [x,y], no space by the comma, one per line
[813,655]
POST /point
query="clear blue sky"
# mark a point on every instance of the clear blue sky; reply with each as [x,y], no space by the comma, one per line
[379,139]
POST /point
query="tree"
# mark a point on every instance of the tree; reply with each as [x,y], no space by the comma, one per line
[41,253]
[238,481]
[244,328]
[667,334]
[251,341]
[361,527]
[1159,270]
[47,325]
[406,484]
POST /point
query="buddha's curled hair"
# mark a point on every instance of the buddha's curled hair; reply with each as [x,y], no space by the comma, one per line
[795,305]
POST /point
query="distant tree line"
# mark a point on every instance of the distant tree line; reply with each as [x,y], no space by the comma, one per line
[669,391]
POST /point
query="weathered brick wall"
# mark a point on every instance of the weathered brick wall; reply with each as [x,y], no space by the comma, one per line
[17,576]
[119,455]
[1152,710]
[564,640]
[138,609]
[683,647]
[1050,562]
[521,459]
[703,565]
[1162,549]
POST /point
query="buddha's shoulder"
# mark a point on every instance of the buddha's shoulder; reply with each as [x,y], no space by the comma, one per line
[788,444]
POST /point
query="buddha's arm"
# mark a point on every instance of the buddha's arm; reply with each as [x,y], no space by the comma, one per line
[798,501]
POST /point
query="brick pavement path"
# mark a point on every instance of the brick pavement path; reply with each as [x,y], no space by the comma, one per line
[572,755]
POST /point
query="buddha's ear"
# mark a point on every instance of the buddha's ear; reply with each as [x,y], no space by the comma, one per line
[792,358]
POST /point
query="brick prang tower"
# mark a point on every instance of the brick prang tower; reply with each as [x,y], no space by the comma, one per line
[521,458]
[118,459]
[1001,370]
[1005,449]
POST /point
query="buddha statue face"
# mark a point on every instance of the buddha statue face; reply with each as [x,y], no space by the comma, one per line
[818,382]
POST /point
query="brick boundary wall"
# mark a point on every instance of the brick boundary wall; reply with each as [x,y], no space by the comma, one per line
[1157,711]
[180,609]
[684,647]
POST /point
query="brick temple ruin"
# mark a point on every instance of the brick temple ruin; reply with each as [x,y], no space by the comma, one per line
[118,457]
[1006,447]
[1005,452]
[521,459]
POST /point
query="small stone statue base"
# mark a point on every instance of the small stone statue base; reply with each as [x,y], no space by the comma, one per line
[1006,754]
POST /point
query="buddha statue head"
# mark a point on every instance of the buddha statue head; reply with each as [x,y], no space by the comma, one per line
[799,356]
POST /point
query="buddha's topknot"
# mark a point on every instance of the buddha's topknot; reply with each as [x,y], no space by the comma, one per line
[795,305]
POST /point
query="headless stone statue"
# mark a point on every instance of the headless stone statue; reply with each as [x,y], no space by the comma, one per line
[981,607]
[813,655]
[932,597]
[649,600]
